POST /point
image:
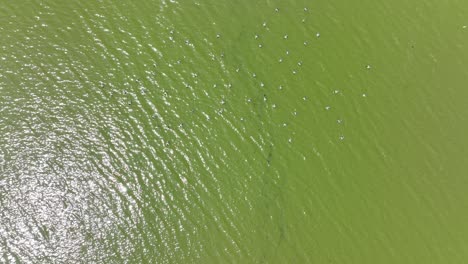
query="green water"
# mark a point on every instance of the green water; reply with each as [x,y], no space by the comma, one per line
[233,131]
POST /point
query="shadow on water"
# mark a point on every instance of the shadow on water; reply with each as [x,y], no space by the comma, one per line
[271,200]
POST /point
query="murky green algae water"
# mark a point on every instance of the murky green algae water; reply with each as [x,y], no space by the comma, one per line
[233,132]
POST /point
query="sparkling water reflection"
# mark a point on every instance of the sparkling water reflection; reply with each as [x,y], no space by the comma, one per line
[217,131]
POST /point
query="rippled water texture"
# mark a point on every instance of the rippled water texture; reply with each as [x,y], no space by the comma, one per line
[233,131]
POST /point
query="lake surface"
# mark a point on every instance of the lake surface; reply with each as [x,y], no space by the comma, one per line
[233,131]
